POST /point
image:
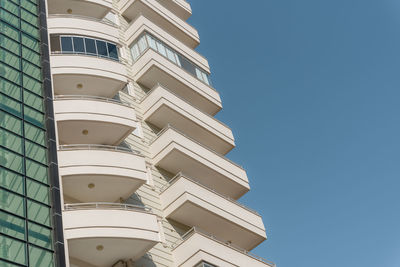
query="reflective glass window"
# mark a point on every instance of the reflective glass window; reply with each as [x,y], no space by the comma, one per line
[36,171]
[35,134]
[40,257]
[31,56]
[9,58]
[30,42]
[39,235]
[12,226]
[9,44]
[11,123]
[112,50]
[66,44]
[11,181]
[38,213]
[79,46]
[10,73]
[9,17]
[11,160]
[90,46]
[28,17]
[31,70]
[11,141]
[28,28]
[32,85]
[33,101]
[35,152]
[37,191]
[29,6]
[9,31]
[10,89]
[10,105]
[13,250]
[101,48]
[12,203]
[33,116]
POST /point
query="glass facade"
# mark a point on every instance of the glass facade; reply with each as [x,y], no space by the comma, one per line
[148,41]
[205,264]
[26,227]
[67,44]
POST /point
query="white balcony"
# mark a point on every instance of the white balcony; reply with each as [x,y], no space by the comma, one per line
[189,202]
[152,68]
[162,107]
[84,26]
[198,246]
[181,8]
[100,234]
[93,120]
[161,16]
[89,171]
[175,152]
[87,75]
[91,8]
[143,24]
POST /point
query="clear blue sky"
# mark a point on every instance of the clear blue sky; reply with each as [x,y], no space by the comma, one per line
[311,89]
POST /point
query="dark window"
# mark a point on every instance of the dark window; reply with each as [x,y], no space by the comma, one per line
[187,65]
[55,43]
[90,46]
[66,44]
[112,51]
[101,48]
[79,47]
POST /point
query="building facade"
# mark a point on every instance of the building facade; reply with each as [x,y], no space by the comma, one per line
[109,150]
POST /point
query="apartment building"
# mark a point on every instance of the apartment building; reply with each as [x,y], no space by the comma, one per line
[110,154]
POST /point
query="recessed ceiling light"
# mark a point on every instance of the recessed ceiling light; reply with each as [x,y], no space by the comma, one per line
[99,247]
[79,86]
[91,185]
[85,132]
[69,11]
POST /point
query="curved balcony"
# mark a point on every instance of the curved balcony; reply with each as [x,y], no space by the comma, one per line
[84,26]
[100,234]
[93,120]
[152,68]
[161,16]
[90,8]
[88,171]
[143,24]
[162,107]
[75,74]
[187,201]
[176,152]
[181,8]
[197,246]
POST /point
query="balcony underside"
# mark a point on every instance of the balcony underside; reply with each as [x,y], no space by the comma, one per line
[90,8]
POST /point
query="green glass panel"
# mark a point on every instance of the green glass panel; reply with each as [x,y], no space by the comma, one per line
[15,2]
[9,31]
[38,213]
[28,17]
[11,141]
[11,161]
[31,56]
[33,101]
[12,225]
[10,6]
[10,123]
[39,236]
[10,74]
[10,18]
[31,70]
[10,89]
[9,58]
[29,6]
[37,191]
[26,27]
[11,180]
[35,134]
[6,264]
[12,250]
[36,171]
[30,42]
[35,152]
[11,202]
[33,116]
[10,105]
[32,85]
[40,257]
[9,44]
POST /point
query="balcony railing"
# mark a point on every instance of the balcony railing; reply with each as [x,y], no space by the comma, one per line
[99,147]
[105,205]
[196,230]
[180,174]
[93,98]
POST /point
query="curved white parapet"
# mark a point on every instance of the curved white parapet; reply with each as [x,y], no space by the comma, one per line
[181,8]
[87,75]
[102,235]
[163,17]
[189,202]
[91,8]
[198,246]
[176,152]
[88,172]
[152,68]
[88,120]
[162,107]
[84,26]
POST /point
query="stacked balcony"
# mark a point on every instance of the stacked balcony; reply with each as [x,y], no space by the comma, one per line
[97,173]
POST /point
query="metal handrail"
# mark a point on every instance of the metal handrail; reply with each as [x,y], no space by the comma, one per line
[169,126]
[180,174]
[89,97]
[105,205]
[196,230]
[169,91]
[83,17]
[98,147]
